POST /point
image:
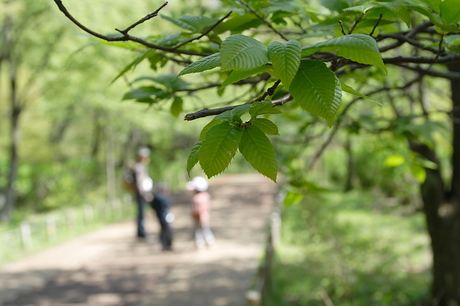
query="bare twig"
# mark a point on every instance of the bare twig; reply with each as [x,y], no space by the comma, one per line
[376,25]
[356,23]
[341,27]
[263,19]
[125,36]
[417,29]
[446,59]
[450,75]
[269,92]
[149,16]
[206,32]
[404,38]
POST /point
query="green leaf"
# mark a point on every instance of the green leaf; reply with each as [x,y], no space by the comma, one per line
[418,172]
[352,91]
[258,151]
[238,23]
[450,11]
[399,8]
[266,126]
[356,47]
[285,59]
[394,160]
[219,147]
[178,22]
[236,76]
[453,43]
[143,92]
[134,63]
[240,110]
[193,157]
[317,90]
[208,126]
[363,9]
[169,81]
[240,52]
[263,107]
[434,4]
[203,64]
[176,106]
[198,23]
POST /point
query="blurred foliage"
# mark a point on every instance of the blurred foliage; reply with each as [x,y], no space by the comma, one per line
[354,249]
[73,117]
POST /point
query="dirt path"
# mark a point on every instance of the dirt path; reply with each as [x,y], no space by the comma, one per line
[109,267]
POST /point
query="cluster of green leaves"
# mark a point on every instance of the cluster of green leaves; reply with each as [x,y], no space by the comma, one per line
[312,84]
[226,133]
[301,69]
[351,249]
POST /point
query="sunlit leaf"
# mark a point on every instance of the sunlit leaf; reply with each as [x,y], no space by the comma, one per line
[317,89]
[356,47]
[176,106]
[238,23]
[394,160]
[450,11]
[143,92]
[134,63]
[208,126]
[193,157]
[179,23]
[285,59]
[263,107]
[219,147]
[258,151]
[206,63]
[266,126]
[198,23]
[352,91]
[240,52]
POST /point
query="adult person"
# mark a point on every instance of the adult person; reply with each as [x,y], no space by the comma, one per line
[201,206]
[143,188]
[160,204]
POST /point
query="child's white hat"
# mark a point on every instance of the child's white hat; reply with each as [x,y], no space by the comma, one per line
[197,183]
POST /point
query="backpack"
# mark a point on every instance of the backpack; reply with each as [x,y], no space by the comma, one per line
[129,180]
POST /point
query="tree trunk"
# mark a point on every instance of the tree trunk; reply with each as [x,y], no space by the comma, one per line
[442,213]
[14,158]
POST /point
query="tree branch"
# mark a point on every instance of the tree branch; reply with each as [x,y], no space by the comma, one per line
[263,20]
[216,111]
[149,16]
[206,32]
[447,59]
[125,36]
[431,72]
[340,117]
[403,38]
[419,28]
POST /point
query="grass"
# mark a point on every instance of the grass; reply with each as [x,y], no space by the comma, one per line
[348,250]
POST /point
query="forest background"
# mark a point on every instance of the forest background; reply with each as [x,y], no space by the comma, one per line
[67,134]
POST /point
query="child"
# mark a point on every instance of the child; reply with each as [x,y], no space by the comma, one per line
[201,205]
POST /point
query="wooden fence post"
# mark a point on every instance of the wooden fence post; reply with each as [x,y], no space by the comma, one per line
[51,228]
[88,212]
[26,235]
[70,216]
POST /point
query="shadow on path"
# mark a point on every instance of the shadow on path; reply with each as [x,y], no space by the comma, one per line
[110,267]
